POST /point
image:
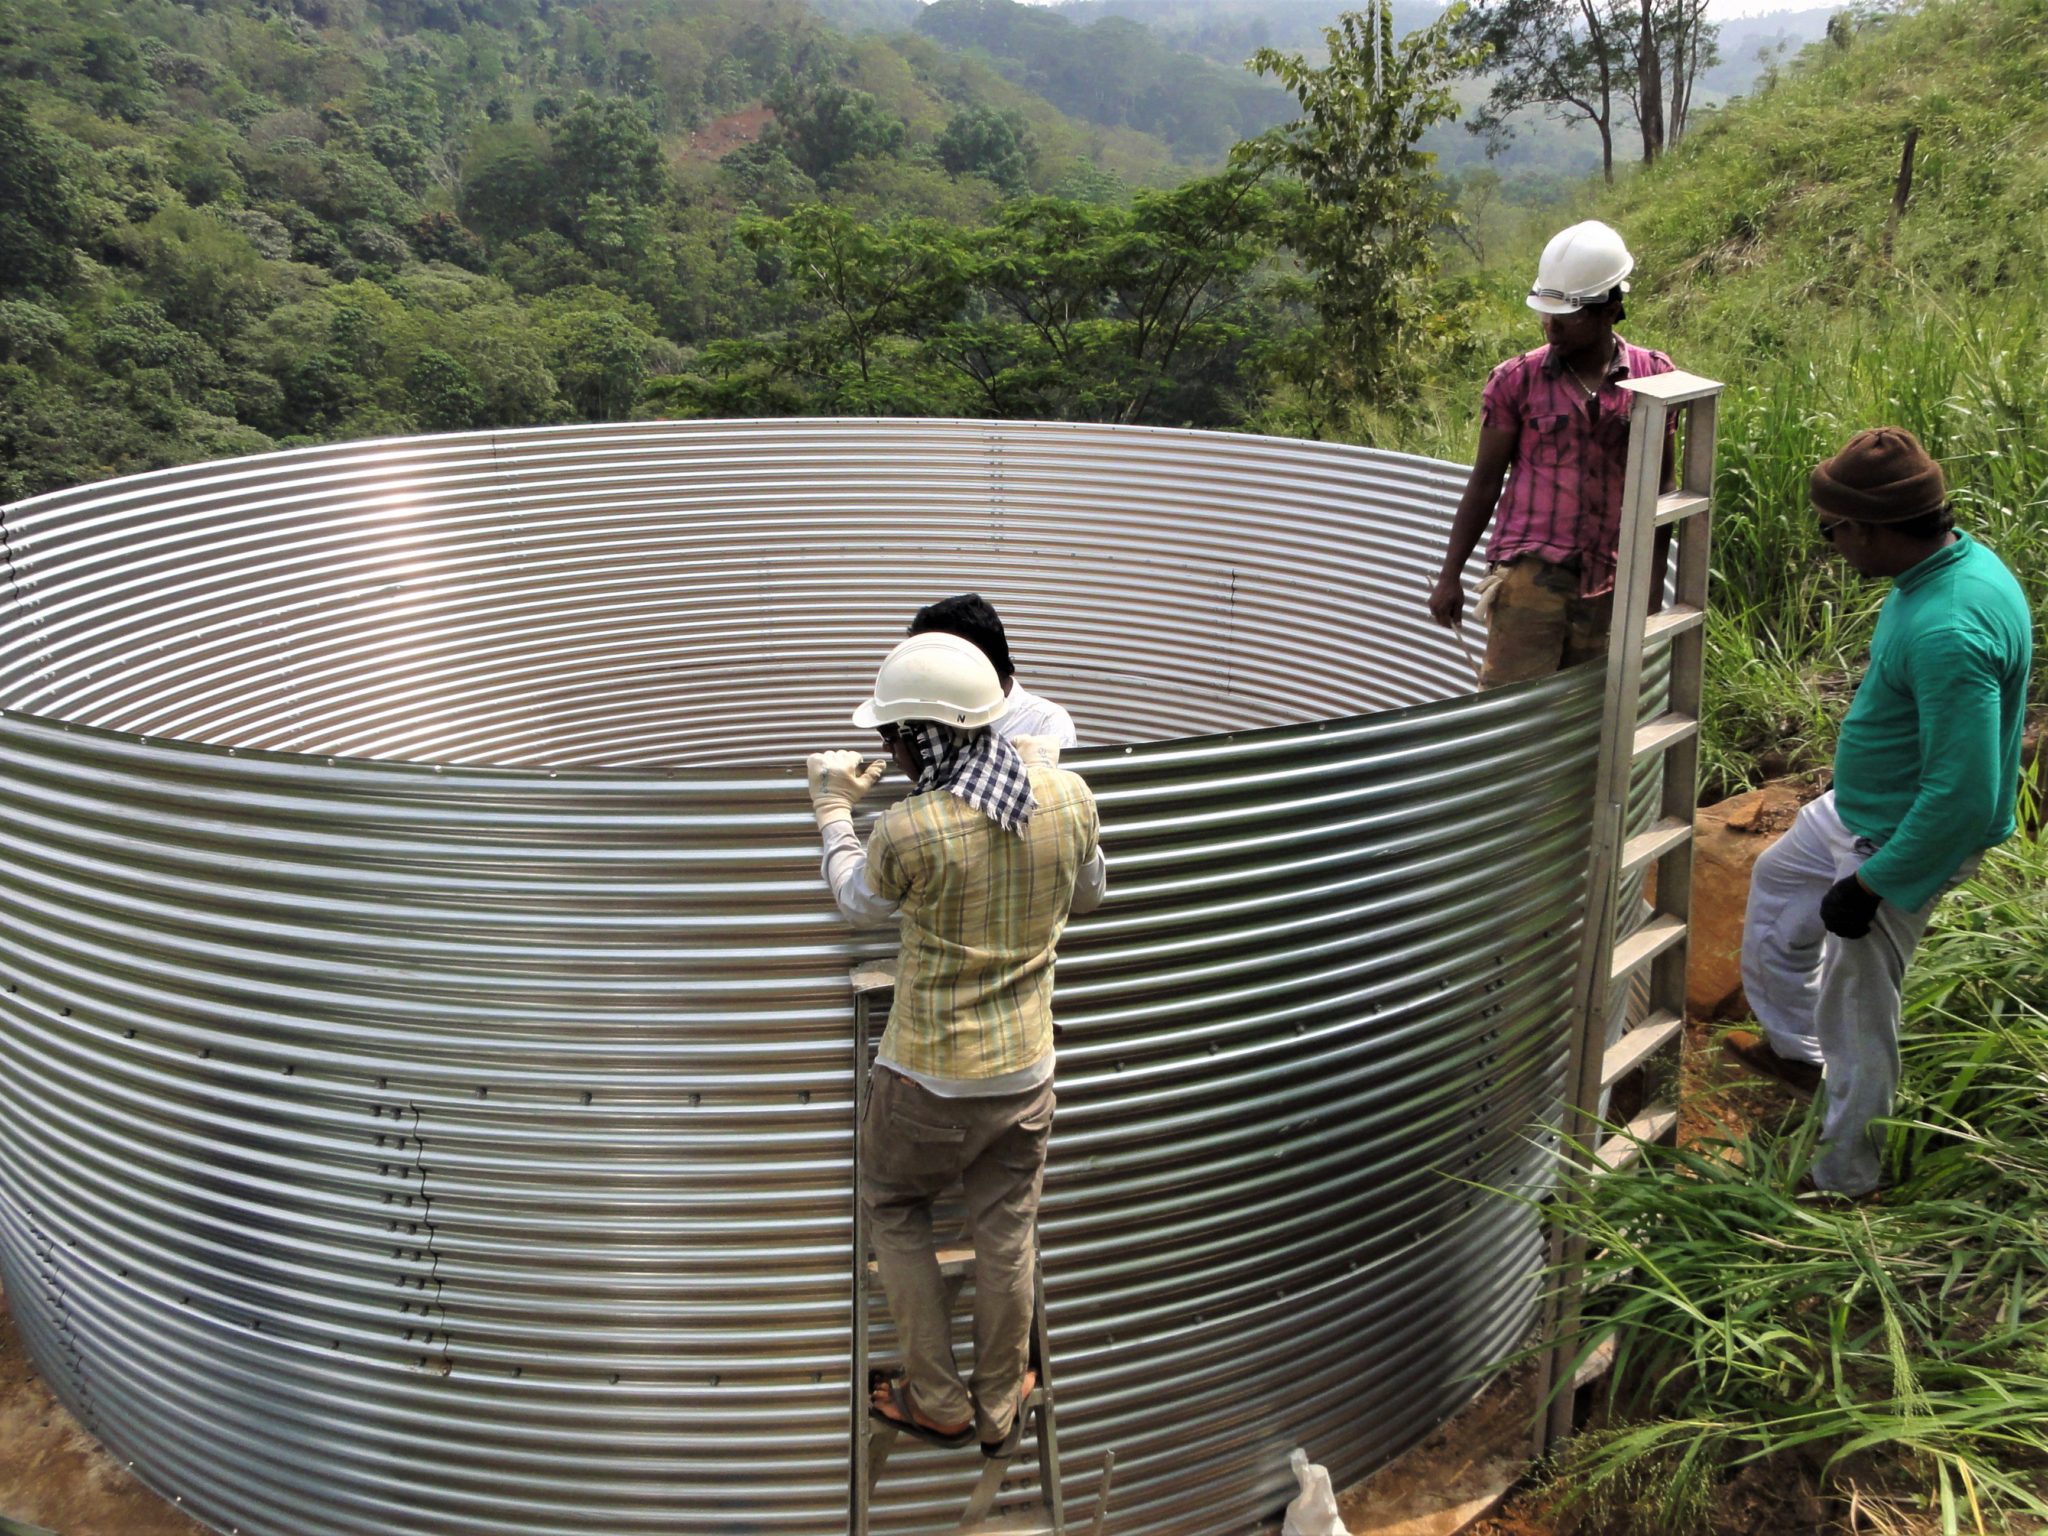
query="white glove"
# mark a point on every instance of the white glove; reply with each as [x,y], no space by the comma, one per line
[1038,751]
[837,782]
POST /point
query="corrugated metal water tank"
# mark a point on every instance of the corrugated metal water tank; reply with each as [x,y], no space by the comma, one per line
[425,1079]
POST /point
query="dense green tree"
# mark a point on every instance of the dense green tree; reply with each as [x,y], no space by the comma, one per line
[982,142]
[603,146]
[542,263]
[601,365]
[1114,314]
[140,337]
[762,176]
[1368,203]
[823,124]
[444,395]
[1056,309]
[440,236]
[29,333]
[506,181]
[124,87]
[242,221]
[865,285]
[37,205]
[1564,57]
[205,274]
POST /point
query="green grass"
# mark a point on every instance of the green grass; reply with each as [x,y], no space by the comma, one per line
[1766,259]
[1783,1366]
[1792,625]
[1897,1354]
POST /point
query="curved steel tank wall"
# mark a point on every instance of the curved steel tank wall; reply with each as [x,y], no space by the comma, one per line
[424,1051]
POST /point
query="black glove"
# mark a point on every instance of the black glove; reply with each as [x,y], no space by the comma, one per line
[1848,908]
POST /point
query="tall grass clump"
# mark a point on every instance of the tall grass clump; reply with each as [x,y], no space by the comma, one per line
[1891,1358]
[1791,624]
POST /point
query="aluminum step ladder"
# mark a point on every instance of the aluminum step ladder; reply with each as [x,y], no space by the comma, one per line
[1659,945]
[987,1511]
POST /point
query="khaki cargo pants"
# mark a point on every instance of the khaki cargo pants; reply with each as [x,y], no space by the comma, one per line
[914,1146]
[1539,624]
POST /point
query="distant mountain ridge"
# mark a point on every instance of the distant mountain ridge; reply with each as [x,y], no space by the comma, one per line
[1175,68]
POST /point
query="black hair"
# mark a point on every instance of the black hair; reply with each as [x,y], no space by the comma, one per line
[1927,527]
[970,617]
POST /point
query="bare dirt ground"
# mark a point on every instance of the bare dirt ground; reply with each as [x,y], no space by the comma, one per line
[56,1476]
[721,136]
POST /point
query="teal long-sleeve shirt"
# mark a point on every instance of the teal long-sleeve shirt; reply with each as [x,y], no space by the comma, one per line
[1929,757]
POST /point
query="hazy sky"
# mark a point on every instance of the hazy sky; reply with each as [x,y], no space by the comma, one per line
[1720,10]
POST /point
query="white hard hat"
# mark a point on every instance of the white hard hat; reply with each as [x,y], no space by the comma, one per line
[934,677]
[1580,266]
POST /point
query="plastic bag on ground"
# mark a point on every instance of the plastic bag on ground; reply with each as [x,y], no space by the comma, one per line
[1313,1511]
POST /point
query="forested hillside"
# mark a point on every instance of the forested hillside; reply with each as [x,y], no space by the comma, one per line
[250,222]
[1116,71]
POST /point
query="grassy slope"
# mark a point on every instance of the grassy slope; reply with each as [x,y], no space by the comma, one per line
[1778,1350]
[1763,260]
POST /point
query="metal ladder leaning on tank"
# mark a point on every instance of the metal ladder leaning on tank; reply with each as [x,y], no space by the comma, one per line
[1661,943]
[873,984]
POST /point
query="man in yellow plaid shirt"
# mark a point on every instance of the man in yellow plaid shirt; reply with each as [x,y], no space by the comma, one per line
[980,866]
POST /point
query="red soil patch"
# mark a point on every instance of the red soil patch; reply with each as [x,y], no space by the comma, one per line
[720,137]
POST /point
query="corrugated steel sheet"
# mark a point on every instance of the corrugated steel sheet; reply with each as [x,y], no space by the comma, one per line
[424,1052]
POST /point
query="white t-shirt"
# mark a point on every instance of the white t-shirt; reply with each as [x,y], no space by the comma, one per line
[1030,715]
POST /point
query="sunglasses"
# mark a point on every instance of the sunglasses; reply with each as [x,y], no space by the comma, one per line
[1829,530]
[891,732]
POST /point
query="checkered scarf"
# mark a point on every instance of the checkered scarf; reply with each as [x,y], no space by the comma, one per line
[979,767]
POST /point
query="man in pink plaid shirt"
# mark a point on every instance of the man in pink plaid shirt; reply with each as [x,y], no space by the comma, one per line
[1554,426]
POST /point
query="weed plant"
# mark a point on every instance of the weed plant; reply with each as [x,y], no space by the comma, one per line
[1893,1357]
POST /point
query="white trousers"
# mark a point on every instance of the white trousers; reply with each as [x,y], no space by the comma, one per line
[1825,999]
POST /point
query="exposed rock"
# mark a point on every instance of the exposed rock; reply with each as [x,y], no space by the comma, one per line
[1727,838]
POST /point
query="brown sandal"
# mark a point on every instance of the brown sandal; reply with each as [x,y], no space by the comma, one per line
[1007,1446]
[887,1391]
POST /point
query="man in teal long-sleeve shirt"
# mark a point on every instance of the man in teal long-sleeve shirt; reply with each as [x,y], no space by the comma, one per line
[1926,773]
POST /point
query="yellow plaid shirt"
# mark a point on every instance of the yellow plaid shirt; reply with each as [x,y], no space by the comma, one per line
[982,910]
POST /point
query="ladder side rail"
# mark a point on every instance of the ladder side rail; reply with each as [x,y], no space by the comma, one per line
[1633,583]
[859,1482]
[1687,694]
[1640,488]
[1050,1490]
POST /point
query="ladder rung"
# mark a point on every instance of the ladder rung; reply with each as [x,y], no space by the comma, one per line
[1626,1146]
[1645,945]
[1667,730]
[1595,1365]
[1675,620]
[874,975]
[1669,832]
[954,1259]
[1628,1053]
[1673,505]
[1675,387]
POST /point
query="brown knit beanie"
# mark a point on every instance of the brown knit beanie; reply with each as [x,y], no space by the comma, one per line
[1882,475]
